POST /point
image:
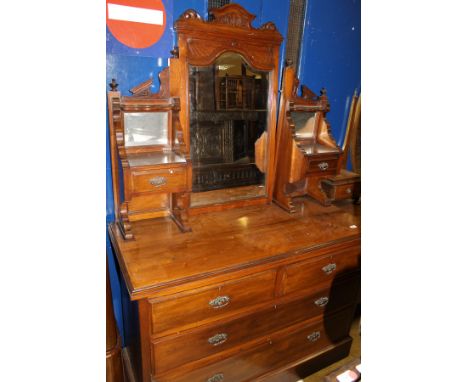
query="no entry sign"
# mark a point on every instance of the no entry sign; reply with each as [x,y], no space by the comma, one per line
[136,23]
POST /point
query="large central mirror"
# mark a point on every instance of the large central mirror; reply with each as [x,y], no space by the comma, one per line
[228,126]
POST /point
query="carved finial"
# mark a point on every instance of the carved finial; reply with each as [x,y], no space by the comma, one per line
[289,62]
[175,52]
[323,92]
[113,85]
[355,93]
[190,14]
[268,26]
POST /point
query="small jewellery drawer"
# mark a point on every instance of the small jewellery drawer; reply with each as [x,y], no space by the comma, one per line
[306,274]
[341,191]
[183,310]
[345,191]
[278,350]
[172,352]
[172,179]
[322,166]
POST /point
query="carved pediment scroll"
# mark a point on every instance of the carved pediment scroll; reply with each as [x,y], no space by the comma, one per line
[233,15]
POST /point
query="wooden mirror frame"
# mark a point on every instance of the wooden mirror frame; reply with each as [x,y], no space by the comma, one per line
[200,43]
[300,173]
[169,199]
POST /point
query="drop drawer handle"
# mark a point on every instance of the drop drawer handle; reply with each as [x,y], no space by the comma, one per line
[218,339]
[313,336]
[329,268]
[323,166]
[220,302]
[216,378]
[158,181]
[321,302]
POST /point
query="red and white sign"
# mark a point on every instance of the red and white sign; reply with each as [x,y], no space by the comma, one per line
[136,23]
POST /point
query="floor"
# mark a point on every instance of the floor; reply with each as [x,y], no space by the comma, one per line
[353,354]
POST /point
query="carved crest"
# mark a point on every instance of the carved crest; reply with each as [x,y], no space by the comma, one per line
[234,15]
[144,89]
[230,14]
[307,97]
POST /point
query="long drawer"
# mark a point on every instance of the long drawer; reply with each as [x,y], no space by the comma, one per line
[278,350]
[322,271]
[203,305]
[173,352]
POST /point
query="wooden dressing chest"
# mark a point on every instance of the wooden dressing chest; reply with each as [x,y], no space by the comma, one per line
[250,294]
[238,289]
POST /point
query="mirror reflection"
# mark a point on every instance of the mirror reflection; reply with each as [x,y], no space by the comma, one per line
[144,129]
[305,124]
[228,119]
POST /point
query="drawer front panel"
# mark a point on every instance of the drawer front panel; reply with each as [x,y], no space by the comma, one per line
[302,276]
[162,180]
[326,166]
[345,191]
[172,353]
[208,304]
[279,350]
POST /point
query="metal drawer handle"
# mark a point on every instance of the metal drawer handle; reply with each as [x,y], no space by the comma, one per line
[216,378]
[220,302]
[218,339]
[323,166]
[348,191]
[329,268]
[313,336]
[321,302]
[158,181]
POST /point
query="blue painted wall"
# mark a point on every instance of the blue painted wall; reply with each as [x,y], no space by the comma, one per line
[330,58]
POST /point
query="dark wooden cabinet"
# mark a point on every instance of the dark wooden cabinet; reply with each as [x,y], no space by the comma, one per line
[239,289]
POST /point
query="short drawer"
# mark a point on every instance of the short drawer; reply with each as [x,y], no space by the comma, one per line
[278,350]
[342,191]
[318,272]
[345,191]
[173,352]
[181,311]
[325,166]
[172,179]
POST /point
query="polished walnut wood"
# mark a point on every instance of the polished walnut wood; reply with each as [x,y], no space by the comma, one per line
[157,177]
[114,366]
[347,184]
[251,292]
[304,159]
[239,287]
[200,43]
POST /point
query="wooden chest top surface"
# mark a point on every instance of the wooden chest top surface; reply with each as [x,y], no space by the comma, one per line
[228,241]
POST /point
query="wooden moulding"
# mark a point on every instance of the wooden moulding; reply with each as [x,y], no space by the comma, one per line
[298,162]
[130,204]
[114,369]
[347,184]
[200,43]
